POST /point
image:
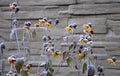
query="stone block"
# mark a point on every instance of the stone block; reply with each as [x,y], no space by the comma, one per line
[40,2]
[98,1]
[93,9]
[114,25]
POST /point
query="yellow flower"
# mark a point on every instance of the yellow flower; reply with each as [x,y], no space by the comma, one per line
[83,40]
[111,61]
[56,54]
[87,27]
[36,25]
[48,25]
[82,56]
[42,22]
[69,29]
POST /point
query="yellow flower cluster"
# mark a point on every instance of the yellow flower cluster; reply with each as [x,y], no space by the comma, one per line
[45,23]
[88,29]
[69,29]
[112,60]
[81,54]
[56,54]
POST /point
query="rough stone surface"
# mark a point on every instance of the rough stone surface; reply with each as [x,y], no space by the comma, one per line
[89,9]
[103,14]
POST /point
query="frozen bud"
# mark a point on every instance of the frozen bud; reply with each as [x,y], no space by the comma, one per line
[45,19]
[95,57]
[74,25]
[88,38]
[114,59]
[81,36]
[44,38]
[99,68]
[70,25]
[2,45]
[50,21]
[52,44]
[56,21]
[14,22]
[45,45]
[13,56]
[65,38]
[14,3]
[10,73]
[43,73]
[17,10]
[28,23]
[90,24]
[91,70]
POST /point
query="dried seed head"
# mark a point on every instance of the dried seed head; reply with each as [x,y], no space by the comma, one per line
[114,59]
[45,19]
[90,24]
[56,21]
[91,70]
[49,21]
[15,4]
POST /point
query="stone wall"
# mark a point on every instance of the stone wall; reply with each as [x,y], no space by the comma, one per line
[103,14]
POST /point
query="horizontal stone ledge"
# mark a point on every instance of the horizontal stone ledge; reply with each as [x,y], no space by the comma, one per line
[93,9]
[35,14]
[35,8]
[39,2]
[99,1]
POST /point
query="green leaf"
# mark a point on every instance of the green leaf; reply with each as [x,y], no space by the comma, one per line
[51,70]
[69,60]
[24,73]
[49,74]
[18,67]
[84,67]
[70,47]
[91,61]
[65,54]
[19,64]
[34,33]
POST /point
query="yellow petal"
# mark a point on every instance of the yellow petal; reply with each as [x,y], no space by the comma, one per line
[48,25]
[87,27]
[42,22]
[82,56]
[56,54]
[111,61]
[69,29]
[36,25]
[85,40]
